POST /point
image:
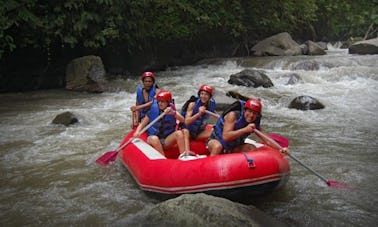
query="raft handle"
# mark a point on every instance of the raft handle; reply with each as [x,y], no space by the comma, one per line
[250,162]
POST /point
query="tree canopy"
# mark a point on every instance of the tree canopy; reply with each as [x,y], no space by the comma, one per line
[140,23]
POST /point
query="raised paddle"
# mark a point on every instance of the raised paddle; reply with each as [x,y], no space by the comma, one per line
[275,140]
[111,156]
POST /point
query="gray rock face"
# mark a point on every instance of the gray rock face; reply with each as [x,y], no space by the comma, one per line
[313,49]
[278,45]
[369,46]
[305,103]
[293,79]
[201,210]
[251,78]
[85,74]
[307,65]
[66,118]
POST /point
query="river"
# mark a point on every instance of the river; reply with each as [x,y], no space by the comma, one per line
[49,176]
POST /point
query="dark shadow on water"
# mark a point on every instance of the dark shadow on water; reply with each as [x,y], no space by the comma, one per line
[246,195]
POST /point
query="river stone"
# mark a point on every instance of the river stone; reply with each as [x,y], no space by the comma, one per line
[305,103]
[278,45]
[86,74]
[306,65]
[66,118]
[251,78]
[201,210]
[369,46]
[313,48]
[237,95]
[294,78]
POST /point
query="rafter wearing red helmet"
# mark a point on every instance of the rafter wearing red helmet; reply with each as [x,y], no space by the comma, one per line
[144,97]
[163,134]
[236,123]
[195,115]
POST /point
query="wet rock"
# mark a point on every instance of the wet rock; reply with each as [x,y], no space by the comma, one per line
[278,45]
[201,210]
[237,95]
[305,103]
[313,48]
[86,74]
[293,79]
[66,118]
[369,46]
[251,78]
[322,45]
[306,65]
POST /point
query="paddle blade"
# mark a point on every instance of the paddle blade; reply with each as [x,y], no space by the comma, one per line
[281,140]
[107,158]
[336,184]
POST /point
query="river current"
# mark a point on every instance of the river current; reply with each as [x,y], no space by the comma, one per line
[49,176]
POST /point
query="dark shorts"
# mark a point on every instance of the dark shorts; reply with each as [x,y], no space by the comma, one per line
[226,150]
[194,134]
[214,136]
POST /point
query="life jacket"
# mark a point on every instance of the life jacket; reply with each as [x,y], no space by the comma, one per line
[200,123]
[164,126]
[140,99]
[237,107]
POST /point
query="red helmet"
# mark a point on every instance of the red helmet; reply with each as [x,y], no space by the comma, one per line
[148,74]
[253,104]
[164,96]
[206,88]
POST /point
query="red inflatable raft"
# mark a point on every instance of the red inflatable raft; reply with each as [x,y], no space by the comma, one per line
[229,175]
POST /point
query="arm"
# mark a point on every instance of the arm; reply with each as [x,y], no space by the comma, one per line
[270,142]
[137,107]
[142,124]
[189,117]
[146,105]
[179,117]
[229,133]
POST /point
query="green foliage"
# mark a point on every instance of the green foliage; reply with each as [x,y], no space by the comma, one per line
[341,19]
[140,24]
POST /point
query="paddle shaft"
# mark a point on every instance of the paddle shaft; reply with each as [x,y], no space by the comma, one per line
[212,114]
[279,147]
[142,131]
[275,144]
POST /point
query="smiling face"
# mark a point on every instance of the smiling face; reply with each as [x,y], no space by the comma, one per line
[250,115]
[204,96]
[163,104]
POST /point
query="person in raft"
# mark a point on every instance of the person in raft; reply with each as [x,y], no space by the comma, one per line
[163,133]
[144,98]
[235,124]
[194,111]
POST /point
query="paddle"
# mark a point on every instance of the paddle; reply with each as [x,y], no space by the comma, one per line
[111,156]
[276,140]
[212,114]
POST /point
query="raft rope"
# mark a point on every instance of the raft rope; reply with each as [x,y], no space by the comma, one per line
[250,162]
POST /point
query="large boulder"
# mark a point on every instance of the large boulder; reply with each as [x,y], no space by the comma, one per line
[369,46]
[312,48]
[66,118]
[86,74]
[305,102]
[251,78]
[200,210]
[278,45]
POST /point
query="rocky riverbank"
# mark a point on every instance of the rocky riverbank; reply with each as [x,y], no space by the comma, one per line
[33,69]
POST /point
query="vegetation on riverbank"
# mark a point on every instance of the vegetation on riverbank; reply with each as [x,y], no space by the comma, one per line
[139,24]
[150,33]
